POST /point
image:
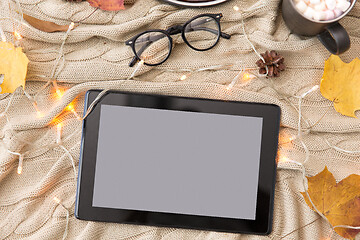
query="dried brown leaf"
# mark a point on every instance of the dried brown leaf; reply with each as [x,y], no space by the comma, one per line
[45,26]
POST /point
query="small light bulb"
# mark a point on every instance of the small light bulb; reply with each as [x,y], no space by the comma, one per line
[236,8]
[183,77]
[247,77]
[17,36]
[39,114]
[59,93]
[57,200]
[314,88]
[70,107]
[58,131]
[20,166]
[283,159]
[3,37]
[72,25]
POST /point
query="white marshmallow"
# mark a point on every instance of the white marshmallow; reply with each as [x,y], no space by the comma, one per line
[343,5]
[301,6]
[320,7]
[319,16]
[338,12]
[309,13]
[329,15]
[315,2]
[331,4]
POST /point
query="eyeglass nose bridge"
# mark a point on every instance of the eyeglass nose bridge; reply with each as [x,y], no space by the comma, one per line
[174,29]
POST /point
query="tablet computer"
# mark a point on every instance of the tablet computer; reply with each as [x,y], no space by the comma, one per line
[178,162]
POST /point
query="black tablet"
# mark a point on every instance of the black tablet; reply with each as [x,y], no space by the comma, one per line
[178,162]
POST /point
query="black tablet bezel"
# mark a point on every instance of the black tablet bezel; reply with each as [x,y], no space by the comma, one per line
[263,222]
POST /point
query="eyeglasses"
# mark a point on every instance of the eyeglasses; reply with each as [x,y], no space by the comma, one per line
[154,47]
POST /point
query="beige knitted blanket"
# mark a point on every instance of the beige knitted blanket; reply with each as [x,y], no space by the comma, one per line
[95,56]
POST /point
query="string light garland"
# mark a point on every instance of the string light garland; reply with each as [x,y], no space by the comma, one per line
[245,79]
[103,92]
[192,71]
[283,159]
[243,74]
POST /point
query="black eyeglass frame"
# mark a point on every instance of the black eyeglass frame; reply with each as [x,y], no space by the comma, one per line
[176,30]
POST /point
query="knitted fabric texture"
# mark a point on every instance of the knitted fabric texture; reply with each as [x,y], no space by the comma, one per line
[95,57]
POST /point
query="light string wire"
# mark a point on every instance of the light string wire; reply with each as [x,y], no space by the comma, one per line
[300,134]
[103,92]
[58,201]
[307,156]
[53,75]
[307,152]
[300,130]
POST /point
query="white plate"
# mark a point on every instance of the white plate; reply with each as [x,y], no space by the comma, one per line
[196,4]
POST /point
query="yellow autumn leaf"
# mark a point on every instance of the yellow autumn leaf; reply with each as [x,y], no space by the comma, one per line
[13,67]
[341,84]
[338,202]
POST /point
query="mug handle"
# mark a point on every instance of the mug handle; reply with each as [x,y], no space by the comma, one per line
[335,39]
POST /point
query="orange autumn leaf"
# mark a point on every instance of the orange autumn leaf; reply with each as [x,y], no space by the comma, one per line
[108,5]
[338,202]
[45,26]
[341,84]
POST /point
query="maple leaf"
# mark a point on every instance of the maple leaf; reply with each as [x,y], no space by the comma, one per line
[108,5]
[338,202]
[45,26]
[341,83]
[13,67]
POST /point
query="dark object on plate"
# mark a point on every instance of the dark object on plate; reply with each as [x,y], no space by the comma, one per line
[196,3]
[274,62]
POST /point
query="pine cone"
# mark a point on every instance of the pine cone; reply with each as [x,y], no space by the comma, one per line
[274,62]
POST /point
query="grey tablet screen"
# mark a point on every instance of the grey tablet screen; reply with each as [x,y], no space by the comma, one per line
[177,162]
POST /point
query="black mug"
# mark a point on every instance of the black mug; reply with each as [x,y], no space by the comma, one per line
[330,33]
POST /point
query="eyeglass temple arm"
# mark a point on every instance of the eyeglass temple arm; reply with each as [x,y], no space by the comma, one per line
[142,49]
[222,34]
[195,25]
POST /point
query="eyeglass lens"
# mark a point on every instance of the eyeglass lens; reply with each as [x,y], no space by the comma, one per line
[152,47]
[202,33]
